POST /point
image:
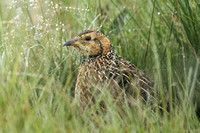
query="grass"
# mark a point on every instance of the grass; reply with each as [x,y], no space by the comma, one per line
[38,75]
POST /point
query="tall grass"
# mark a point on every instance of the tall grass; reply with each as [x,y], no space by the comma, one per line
[38,75]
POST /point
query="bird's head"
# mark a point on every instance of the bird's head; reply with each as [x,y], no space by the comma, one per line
[90,43]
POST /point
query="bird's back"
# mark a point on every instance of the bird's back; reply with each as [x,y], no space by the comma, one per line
[111,72]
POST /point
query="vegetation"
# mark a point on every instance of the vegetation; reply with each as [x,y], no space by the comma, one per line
[38,75]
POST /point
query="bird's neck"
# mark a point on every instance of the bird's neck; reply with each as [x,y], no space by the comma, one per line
[90,59]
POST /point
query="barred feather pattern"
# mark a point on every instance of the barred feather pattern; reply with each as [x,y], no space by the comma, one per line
[112,72]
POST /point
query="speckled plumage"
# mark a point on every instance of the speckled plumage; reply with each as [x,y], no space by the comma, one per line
[104,69]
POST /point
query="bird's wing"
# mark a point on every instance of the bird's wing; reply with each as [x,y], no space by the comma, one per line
[124,74]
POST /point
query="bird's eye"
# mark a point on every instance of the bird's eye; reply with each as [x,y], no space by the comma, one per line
[88,38]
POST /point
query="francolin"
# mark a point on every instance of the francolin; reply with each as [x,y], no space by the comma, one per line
[102,68]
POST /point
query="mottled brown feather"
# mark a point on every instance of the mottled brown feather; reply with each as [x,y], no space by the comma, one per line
[107,70]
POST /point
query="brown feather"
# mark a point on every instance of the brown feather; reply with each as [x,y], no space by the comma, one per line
[103,68]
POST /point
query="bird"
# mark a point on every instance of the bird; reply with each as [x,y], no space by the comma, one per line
[102,68]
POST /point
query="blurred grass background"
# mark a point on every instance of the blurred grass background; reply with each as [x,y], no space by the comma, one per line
[38,75]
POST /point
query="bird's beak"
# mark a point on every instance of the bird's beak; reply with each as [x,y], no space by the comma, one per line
[73,42]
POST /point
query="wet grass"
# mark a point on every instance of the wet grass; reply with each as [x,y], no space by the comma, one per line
[38,75]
